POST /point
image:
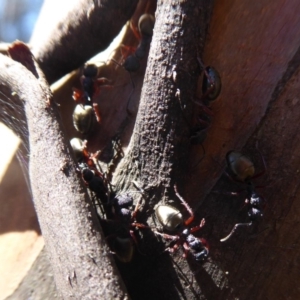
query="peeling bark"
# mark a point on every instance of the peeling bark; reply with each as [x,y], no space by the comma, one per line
[85,30]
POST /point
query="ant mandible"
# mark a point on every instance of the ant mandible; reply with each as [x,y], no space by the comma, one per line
[171,220]
[242,170]
[85,112]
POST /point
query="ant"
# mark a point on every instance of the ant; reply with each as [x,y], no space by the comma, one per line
[94,179]
[211,89]
[86,111]
[171,220]
[126,220]
[81,153]
[242,170]
[134,55]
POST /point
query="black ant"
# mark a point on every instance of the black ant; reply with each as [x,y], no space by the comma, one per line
[86,111]
[144,34]
[125,219]
[211,89]
[93,179]
[242,170]
[171,220]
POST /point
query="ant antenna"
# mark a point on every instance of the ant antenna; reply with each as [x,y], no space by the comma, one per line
[234,229]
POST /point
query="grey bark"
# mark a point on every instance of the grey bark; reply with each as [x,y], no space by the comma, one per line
[82,264]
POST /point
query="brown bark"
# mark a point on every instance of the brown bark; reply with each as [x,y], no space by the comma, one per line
[159,145]
[81,261]
[85,30]
[255,46]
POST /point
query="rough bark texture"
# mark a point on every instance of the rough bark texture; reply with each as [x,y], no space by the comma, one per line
[158,151]
[159,148]
[81,261]
[84,31]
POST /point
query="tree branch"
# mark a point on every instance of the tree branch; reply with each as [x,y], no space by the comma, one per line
[82,263]
[82,32]
[160,143]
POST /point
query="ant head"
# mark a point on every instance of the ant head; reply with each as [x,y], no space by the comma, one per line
[90,70]
[87,174]
[240,165]
[131,63]
[146,24]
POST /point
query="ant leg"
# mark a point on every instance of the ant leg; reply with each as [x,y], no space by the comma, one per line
[97,112]
[97,202]
[167,236]
[186,249]
[184,117]
[134,213]
[101,83]
[125,52]
[234,229]
[77,95]
[135,241]
[135,31]
[139,225]
[205,108]
[173,248]
[200,63]
[196,228]
[191,218]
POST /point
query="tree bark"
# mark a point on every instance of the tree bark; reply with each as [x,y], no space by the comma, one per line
[87,28]
[255,48]
[160,142]
[82,263]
